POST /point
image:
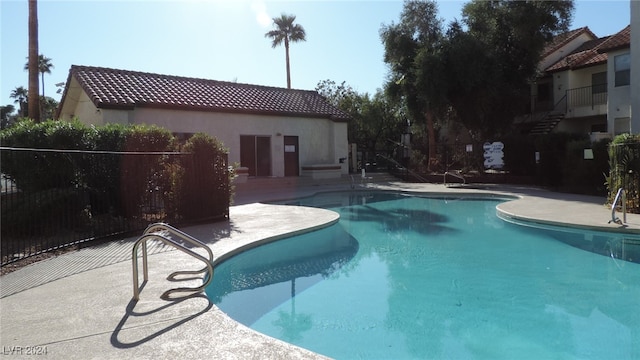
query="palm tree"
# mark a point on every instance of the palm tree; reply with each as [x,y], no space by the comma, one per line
[286,31]
[44,67]
[20,96]
[34,103]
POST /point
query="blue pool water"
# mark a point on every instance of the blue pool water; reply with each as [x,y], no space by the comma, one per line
[402,277]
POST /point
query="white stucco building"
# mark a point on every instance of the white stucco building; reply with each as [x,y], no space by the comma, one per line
[270,131]
[586,85]
[589,84]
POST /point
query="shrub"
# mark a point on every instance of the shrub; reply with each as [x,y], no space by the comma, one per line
[140,175]
[582,175]
[624,163]
[519,155]
[205,187]
[35,171]
[552,149]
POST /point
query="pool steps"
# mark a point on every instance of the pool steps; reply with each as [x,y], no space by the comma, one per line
[161,232]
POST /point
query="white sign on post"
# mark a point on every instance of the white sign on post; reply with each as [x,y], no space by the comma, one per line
[493,155]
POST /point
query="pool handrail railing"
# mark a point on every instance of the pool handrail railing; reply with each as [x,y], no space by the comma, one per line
[621,195]
[454,174]
[158,231]
[160,227]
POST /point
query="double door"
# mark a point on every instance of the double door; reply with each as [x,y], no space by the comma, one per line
[255,154]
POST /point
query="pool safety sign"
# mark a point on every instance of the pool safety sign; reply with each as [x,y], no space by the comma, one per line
[493,155]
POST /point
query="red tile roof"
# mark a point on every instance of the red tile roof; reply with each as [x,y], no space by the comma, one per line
[620,40]
[123,89]
[564,38]
[585,55]
[593,52]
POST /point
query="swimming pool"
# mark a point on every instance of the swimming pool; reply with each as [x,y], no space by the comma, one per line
[404,276]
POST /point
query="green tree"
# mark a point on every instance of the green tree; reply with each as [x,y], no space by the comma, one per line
[381,124]
[285,31]
[44,67]
[5,115]
[337,95]
[20,96]
[34,104]
[376,122]
[505,39]
[413,52]
[49,106]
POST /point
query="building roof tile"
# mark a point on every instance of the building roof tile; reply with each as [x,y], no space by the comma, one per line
[618,41]
[593,52]
[562,39]
[123,89]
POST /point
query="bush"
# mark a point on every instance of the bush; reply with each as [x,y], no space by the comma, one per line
[55,209]
[624,163]
[127,177]
[36,171]
[129,166]
[552,148]
[140,175]
[519,155]
[585,176]
[205,186]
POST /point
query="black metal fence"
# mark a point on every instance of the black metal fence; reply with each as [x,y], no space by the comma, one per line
[52,199]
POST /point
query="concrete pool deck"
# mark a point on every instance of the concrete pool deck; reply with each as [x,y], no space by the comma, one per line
[79,305]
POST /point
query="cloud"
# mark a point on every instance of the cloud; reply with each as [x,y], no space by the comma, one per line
[262,16]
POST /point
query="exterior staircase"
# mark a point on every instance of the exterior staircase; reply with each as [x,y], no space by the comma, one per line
[547,124]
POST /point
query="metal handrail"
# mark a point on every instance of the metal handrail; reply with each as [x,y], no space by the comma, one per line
[142,241]
[585,96]
[413,173]
[620,195]
[164,227]
[454,174]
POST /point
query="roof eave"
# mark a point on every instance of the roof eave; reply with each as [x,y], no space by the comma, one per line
[614,48]
[230,111]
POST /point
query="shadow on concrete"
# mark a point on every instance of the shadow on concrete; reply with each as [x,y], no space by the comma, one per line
[139,331]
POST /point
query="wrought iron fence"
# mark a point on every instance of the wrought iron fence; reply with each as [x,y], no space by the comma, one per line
[52,199]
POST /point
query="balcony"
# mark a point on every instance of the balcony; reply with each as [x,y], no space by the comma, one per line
[583,102]
[578,102]
[586,101]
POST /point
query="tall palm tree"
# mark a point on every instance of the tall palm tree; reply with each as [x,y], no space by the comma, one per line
[20,96]
[286,31]
[44,67]
[34,103]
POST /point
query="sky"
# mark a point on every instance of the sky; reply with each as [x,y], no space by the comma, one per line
[224,39]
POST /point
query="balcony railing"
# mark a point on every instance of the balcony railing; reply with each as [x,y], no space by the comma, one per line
[587,96]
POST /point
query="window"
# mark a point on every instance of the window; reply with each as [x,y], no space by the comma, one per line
[622,66]
[622,126]
[599,83]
